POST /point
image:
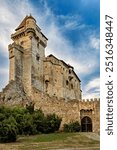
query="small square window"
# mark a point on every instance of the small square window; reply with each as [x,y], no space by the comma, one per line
[22,42]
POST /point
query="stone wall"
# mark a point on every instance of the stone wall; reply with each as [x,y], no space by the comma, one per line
[69,111]
[13,94]
[60,79]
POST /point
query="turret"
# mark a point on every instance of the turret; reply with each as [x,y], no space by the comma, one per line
[30,22]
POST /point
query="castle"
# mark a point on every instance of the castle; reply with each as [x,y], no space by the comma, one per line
[48,82]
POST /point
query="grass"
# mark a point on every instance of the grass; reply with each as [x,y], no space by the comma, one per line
[46,137]
[53,141]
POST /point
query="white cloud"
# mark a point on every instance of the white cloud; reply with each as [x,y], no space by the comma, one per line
[4,77]
[71,25]
[10,15]
[95,42]
[4,71]
[95,83]
[92,89]
[91,95]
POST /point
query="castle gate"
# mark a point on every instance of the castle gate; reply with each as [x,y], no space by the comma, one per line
[86,120]
[86,124]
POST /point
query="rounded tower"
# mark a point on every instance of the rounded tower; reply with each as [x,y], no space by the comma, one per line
[30,22]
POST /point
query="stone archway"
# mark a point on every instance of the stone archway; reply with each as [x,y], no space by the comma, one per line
[86,124]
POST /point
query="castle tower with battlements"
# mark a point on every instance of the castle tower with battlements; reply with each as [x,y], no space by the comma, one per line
[27,54]
[29,65]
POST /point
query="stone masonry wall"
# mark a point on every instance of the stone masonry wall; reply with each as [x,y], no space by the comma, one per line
[60,79]
[69,111]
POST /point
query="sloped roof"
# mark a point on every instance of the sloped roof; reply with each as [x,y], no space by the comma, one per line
[52,56]
[22,24]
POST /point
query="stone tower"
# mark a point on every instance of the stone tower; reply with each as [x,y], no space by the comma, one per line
[26,54]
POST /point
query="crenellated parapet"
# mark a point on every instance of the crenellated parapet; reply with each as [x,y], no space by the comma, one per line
[88,104]
[91,100]
[16,46]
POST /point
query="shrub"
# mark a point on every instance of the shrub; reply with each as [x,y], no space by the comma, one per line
[8,130]
[25,121]
[27,125]
[2,117]
[6,111]
[39,121]
[72,127]
[52,123]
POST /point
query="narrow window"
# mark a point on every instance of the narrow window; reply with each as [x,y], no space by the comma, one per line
[38,45]
[67,82]
[37,57]
[69,71]
[46,85]
[71,86]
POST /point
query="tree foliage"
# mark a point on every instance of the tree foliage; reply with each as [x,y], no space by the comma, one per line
[25,121]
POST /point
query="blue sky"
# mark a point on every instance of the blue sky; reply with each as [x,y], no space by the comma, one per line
[73,30]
